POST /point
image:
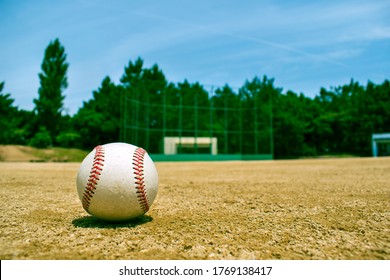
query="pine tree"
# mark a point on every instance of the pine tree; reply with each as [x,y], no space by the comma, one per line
[7,112]
[53,81]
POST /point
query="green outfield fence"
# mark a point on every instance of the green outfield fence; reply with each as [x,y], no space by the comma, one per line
[240,122]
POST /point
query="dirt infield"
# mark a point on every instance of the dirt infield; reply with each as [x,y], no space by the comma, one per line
[298,209]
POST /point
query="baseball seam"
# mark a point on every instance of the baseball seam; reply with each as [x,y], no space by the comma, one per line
[94,177]
[138,166]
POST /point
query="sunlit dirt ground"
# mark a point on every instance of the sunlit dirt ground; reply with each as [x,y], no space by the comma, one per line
[297,209]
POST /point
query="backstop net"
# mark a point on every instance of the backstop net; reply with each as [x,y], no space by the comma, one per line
[190,121]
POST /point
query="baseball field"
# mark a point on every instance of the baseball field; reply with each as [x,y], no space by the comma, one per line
[292,209]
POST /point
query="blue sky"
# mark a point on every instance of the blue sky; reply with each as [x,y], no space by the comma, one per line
[304,45]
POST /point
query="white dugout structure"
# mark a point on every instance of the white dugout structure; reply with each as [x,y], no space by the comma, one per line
[378,139]
[173,144]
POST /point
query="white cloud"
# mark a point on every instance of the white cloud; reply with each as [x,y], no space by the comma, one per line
[342,54]
[369,33]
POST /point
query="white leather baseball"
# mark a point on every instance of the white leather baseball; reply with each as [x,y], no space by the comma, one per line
[117,182]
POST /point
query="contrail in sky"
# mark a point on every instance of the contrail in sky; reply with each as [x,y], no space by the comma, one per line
[245,37]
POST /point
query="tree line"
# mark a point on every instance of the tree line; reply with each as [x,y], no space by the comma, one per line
[339,120]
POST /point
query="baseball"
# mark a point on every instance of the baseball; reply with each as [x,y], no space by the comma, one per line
[117,182]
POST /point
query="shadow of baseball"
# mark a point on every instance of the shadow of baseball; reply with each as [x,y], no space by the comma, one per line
[92,222]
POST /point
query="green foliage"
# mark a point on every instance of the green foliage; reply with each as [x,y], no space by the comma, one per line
[194,95]
[53,81]
[68,139]
[256,118]
[226,119]
[6,113]
[350,115]
[143,90]
[15,125]
[41,139]
[98,121]
[257,97]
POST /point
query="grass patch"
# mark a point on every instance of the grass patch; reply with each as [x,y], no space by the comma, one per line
[57,154]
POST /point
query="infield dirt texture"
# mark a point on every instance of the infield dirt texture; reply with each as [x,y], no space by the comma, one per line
[297,209]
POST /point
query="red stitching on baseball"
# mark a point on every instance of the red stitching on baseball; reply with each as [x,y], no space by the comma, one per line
[138,163]
[94,176]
